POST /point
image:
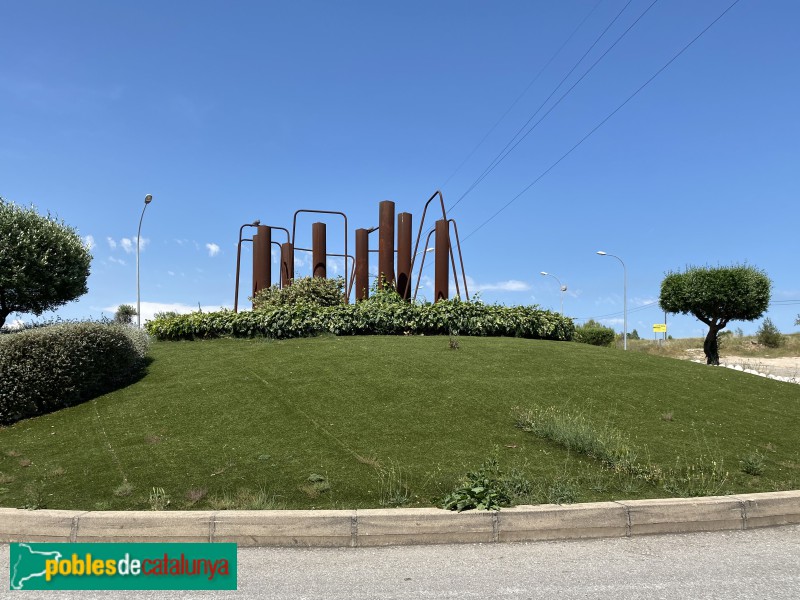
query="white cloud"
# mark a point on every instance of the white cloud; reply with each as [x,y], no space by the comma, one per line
[510,285]
[213,249]
[149,309]
[88,241]
[171,273]
[111,243]
[126,244]
[119,261]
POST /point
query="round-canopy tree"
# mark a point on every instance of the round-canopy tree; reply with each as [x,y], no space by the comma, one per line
[43,262]
[716,296]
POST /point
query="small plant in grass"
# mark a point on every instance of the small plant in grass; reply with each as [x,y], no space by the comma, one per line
[4,478]
[454,343]
[316,484]
[246,499]
[703,477]
[123,490]
[562,490]
[159,500]
[667,416]
[484,489]
[753,463]
[394,490]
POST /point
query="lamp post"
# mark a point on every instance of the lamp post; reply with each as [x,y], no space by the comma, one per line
[147,200]
[624,299]
[562,287]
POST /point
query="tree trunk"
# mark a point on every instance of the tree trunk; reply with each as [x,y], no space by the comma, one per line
[711,345]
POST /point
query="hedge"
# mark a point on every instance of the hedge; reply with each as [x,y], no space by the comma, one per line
[369,318]
[53,367]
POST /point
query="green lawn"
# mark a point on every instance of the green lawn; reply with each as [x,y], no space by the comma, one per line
[363,421]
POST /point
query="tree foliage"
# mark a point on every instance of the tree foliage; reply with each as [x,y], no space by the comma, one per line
[125,314]
[43,262]
[716,296]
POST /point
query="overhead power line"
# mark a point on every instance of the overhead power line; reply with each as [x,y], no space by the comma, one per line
[604,121]
[512,144]
[525,91]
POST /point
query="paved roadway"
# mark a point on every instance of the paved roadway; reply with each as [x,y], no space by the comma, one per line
[759,563]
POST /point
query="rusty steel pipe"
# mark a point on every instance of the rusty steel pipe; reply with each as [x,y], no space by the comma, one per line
[362,264]
[386,243]
[404,255]
[319,250]
[422,222]
[422,265]
[287,264]
[442,266]
[255,223]
[262,263]
[323,212]
[460,258]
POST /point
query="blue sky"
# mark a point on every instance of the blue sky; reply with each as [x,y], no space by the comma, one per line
[232,111]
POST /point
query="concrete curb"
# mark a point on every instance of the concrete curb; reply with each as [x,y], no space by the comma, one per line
[402,526]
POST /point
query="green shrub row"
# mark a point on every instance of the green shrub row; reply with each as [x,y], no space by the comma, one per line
[316,290]
[372,317]
[49,368]
[595,334]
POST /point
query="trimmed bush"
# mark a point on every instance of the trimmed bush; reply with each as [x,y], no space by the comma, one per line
[50,368]
[594,333]
[319,291]
[378,316]
[769,335]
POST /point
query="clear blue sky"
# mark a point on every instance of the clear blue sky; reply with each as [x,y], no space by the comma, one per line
[231,111]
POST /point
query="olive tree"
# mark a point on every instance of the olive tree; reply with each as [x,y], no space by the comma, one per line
[43,262]
[716,296]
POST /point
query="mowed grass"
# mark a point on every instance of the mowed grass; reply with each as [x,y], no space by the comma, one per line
[379,421]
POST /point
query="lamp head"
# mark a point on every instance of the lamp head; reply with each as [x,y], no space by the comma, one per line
[148,199]
[543,273]
[601,253]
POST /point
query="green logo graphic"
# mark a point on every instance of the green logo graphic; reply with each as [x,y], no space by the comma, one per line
[62,566]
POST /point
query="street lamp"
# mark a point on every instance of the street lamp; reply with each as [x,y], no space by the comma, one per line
[624,299]
[562,287]
[147,200]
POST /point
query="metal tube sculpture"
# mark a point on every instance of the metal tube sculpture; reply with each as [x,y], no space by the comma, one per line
[405,259]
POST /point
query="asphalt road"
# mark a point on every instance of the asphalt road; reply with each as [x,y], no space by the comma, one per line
[759,563]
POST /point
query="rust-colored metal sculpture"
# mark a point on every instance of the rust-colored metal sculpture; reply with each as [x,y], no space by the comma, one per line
[262,261]
[287,264]
[441,283]
[362,264]
[319,252]
[403,257]
[254,224]
[386,243]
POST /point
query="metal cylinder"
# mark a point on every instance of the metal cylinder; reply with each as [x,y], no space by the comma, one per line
[386,243]
[404,255]
[287,264]
[262,263]
[442,264]
[319,250]
[362,264]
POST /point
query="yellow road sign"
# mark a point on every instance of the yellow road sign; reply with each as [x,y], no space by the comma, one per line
[659,327]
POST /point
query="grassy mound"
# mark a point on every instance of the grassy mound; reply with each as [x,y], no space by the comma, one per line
[375,421]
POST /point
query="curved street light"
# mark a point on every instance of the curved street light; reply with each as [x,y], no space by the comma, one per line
[147,200]
[561,286]
[624,298]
